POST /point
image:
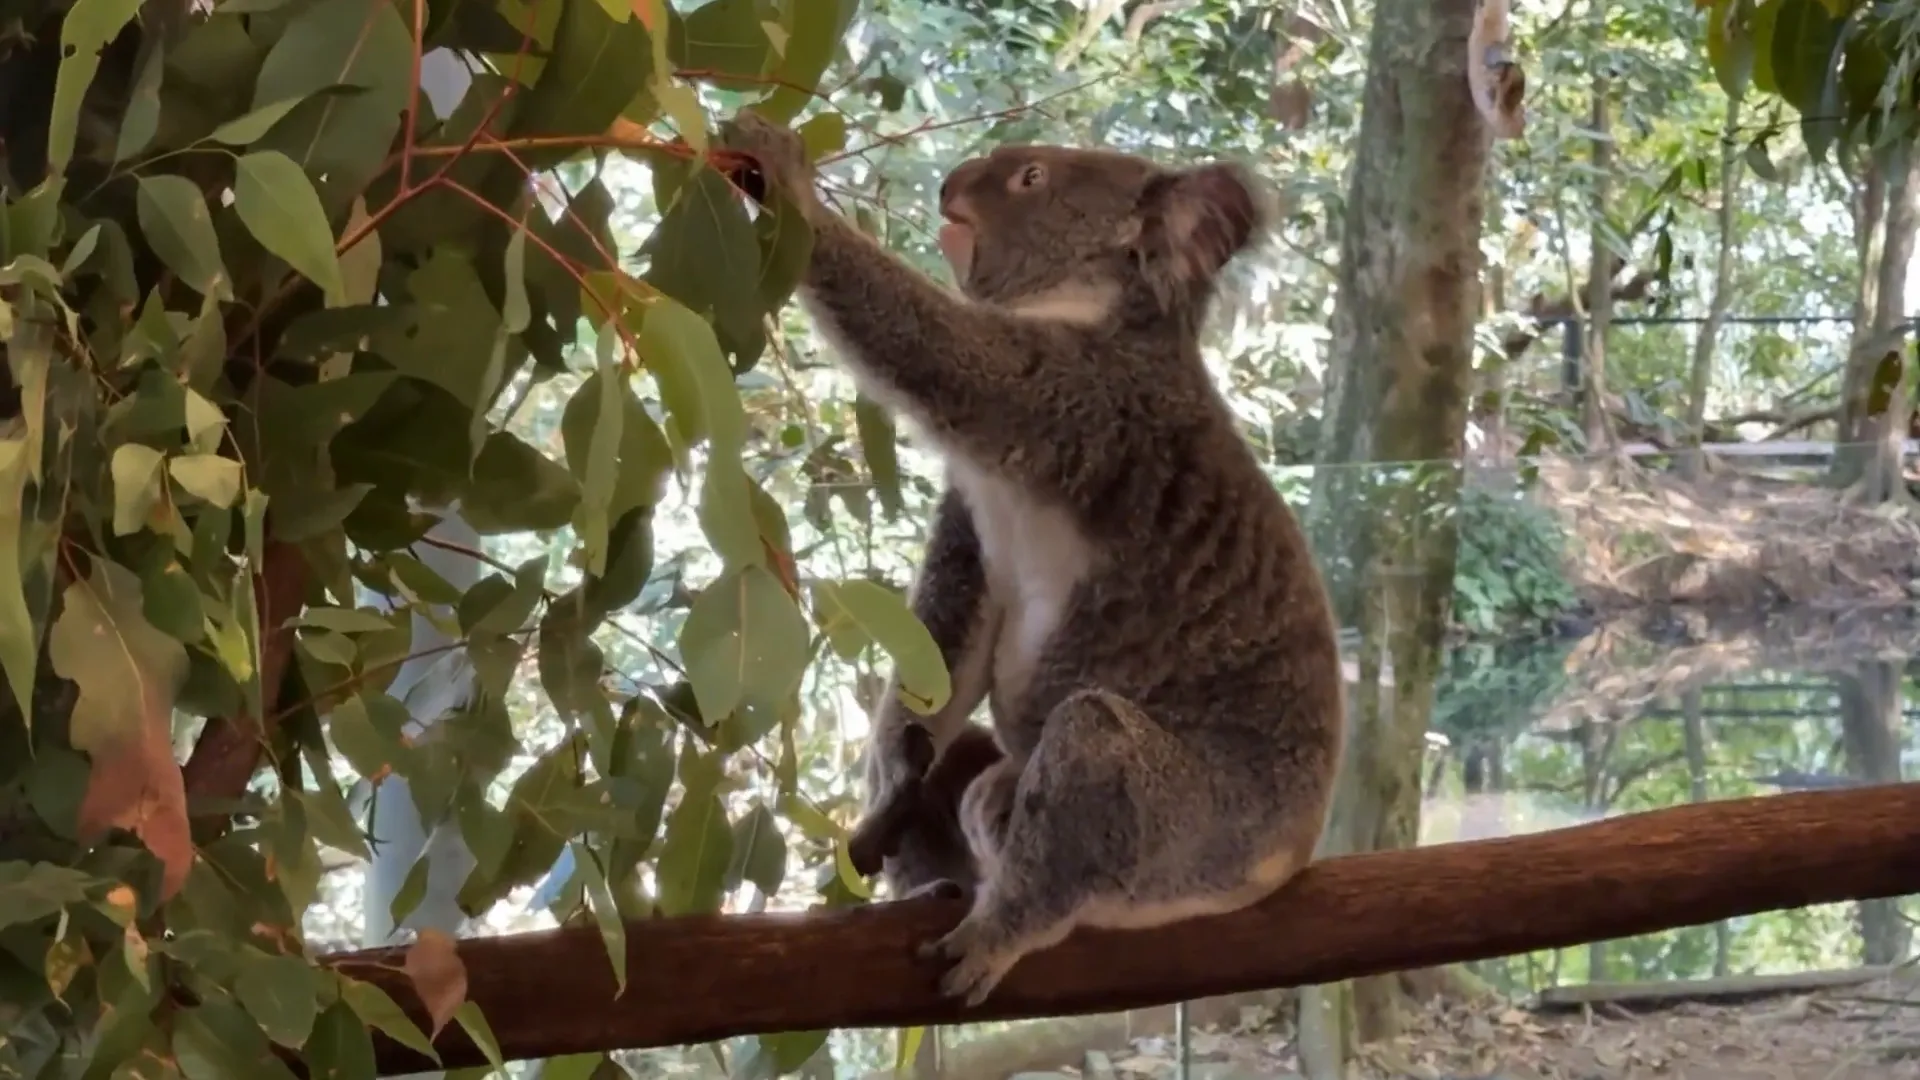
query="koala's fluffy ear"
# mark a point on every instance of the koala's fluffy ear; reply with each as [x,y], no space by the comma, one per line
[1195,220]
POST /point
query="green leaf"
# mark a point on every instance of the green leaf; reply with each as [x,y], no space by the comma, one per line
[881,449]
[769,1056]
[516,488]
[217,1040]
[88,27]
[375,1009]
[244,129]
[412,890]
[478,1029]
[606,913]
[1730,46]
[597,65]
[702,249]
[644,458]
[448,337]
[695,383]
[363,46]
[578,1067]
[880,615]
[591,518]
[278,205]
[280,992]
[174,218]
[786,247]
[515,309]
[815,30]
[907,1049]
[340,1048]
[30,891]
[692,871]
[345,620]
[759,852]
[19,637]
[136,486]
[366,730]
[141,121]
[629,563]
[216,479]
[1804,53]
[504,609]
[824,134]
[125,669]
[171,599]
[722,38]
[744,643]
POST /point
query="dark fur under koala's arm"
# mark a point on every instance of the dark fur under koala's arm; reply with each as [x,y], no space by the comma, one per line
[950,599]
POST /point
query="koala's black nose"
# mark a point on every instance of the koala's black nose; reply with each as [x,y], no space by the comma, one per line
[958,181]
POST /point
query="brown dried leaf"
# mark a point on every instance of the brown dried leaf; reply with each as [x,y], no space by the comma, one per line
[439,976]
[136,785]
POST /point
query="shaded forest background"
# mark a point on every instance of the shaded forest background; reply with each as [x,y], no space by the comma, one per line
[368,489]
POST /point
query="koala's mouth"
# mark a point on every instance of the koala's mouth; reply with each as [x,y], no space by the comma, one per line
[956,243]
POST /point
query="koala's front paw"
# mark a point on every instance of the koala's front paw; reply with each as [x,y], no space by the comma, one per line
[780,152]
[984,955]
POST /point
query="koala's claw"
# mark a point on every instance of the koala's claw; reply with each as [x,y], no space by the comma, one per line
[780,152]
[980,966]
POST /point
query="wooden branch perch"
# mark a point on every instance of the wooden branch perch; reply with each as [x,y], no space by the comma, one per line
[700,978]
[230,747]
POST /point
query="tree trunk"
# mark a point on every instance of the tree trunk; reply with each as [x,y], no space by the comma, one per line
[1870,714]
[1402,359]
[1599,427]
[1890,386]
[1701,378]
[1883,244]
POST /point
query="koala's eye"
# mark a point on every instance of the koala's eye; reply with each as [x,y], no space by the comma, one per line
[1029,177]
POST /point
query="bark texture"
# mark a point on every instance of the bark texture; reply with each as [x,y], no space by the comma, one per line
[1402,362]
[1700,379]
[1876,384]
[699,978]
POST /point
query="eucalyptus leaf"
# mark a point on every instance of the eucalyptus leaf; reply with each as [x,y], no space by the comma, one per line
[277,202]
[173,216]
[84,32]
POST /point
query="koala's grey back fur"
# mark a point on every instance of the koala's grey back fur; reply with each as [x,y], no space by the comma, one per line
[1127,587]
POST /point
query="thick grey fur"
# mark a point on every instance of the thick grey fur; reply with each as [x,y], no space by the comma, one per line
[1111,568]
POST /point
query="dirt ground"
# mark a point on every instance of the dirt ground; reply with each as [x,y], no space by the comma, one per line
[1857,1033]
[1732,539]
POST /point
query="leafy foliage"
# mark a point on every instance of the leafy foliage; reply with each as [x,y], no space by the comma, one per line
[1509,575]
[265,310]
[1846,68]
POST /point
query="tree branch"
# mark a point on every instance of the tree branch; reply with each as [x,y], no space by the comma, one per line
[1548,312]
[699,978]
[229,748]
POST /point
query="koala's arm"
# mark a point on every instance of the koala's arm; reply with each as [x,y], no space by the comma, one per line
[970,373]
[950,597]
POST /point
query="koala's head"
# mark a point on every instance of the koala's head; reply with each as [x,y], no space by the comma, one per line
[1033,221]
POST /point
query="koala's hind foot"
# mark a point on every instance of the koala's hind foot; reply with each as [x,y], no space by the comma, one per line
[1112,822]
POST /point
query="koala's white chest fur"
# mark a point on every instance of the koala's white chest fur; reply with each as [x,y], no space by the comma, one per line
[1034,556]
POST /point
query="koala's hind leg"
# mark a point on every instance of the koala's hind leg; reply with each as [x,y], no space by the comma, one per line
[1112,822]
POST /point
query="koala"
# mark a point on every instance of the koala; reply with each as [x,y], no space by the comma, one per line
[915,831]
[1139,607]
[949,598]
